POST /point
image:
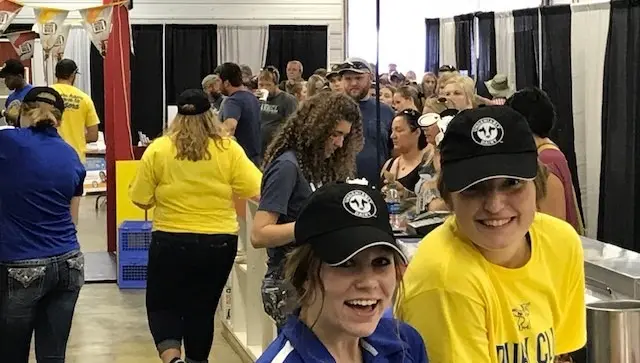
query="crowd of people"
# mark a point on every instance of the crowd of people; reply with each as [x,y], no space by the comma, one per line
[502,280]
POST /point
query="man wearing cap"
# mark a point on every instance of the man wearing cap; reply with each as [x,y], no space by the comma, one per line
[356,82]
[13,73]
[211,86]
[80,119]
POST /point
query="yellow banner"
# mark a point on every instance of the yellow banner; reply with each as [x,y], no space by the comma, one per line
[50,26]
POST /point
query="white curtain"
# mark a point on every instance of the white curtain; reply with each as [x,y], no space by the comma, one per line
[589,31]
[243,45]
[78,49]
[447,42]
[37,65]
[505,46]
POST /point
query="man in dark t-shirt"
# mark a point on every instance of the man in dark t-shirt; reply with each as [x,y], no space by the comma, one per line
[356,81]
[241,111]
[278,106]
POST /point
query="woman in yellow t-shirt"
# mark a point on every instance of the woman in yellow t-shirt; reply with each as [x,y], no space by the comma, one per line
[190,175]
[497,282]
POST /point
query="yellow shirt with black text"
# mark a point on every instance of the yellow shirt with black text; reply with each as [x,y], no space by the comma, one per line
[79,114]
[469,310]
[194,196]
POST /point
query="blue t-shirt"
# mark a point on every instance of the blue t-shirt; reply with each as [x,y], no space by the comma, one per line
[18,95]
[244,107]
[391,342]
[367,160]
[284,191]
[39,175]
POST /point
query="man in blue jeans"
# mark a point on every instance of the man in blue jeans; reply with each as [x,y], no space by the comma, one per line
[41,266]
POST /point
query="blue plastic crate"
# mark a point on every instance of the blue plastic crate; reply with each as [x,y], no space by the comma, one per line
[132,273]
[134,237]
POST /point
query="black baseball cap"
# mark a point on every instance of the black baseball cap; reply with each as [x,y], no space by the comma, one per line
[46,95]
[335,71]
[487,143]
[340,220]
[193,102]
[66,68]
[12,67]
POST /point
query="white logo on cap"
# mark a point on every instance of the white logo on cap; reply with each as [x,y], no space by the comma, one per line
[359,204]
[487,132]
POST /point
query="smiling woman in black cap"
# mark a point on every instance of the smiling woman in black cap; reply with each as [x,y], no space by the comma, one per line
[190,175]
[41,266]
[346,270]
[501,281]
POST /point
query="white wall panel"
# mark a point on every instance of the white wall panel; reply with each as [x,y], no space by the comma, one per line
[225,12]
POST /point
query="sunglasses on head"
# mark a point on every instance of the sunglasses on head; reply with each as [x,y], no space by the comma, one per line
[273,70]
[447,68]
[411,115]
[354,65]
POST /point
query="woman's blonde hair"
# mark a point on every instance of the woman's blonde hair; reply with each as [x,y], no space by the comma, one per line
[191,135]
[467,84]
[40,114]
[432,105]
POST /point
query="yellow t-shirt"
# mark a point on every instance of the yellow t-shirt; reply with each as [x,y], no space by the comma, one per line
[79,113]
[469,310]
[194,196]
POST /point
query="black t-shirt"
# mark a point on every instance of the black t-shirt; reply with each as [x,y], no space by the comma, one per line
[284,191]
[244,107]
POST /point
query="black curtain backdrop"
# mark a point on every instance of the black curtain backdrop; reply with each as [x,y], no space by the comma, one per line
[190,55]
[556,81]
[620,165]
[486,51]
[97,83]
[147,106]
[527,47]
[465,36]
[432,59]
[305,43]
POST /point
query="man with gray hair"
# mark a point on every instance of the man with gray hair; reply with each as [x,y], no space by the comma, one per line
[211,86]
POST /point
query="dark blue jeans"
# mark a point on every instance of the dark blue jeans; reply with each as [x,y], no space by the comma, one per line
[38,295]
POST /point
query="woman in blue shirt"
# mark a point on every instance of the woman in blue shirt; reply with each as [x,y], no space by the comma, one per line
[41,266]
[346,270]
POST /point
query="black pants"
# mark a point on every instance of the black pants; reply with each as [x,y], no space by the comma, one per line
[185,278]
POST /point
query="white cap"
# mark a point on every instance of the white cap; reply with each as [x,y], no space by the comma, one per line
[429,119]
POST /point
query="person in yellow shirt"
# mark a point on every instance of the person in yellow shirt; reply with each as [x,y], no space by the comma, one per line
[190,175]
[80,121]
[498,282]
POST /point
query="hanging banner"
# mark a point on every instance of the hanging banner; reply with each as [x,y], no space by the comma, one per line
[23,43]
[97,23]
[8,11]
[61,42]
[50,25]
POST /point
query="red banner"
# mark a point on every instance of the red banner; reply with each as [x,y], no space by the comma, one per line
[23,43]
[8,12]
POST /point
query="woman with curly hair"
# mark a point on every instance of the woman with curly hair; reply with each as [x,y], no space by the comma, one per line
[316,145]
[190,175]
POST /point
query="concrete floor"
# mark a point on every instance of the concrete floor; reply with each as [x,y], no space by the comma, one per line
[110,325]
